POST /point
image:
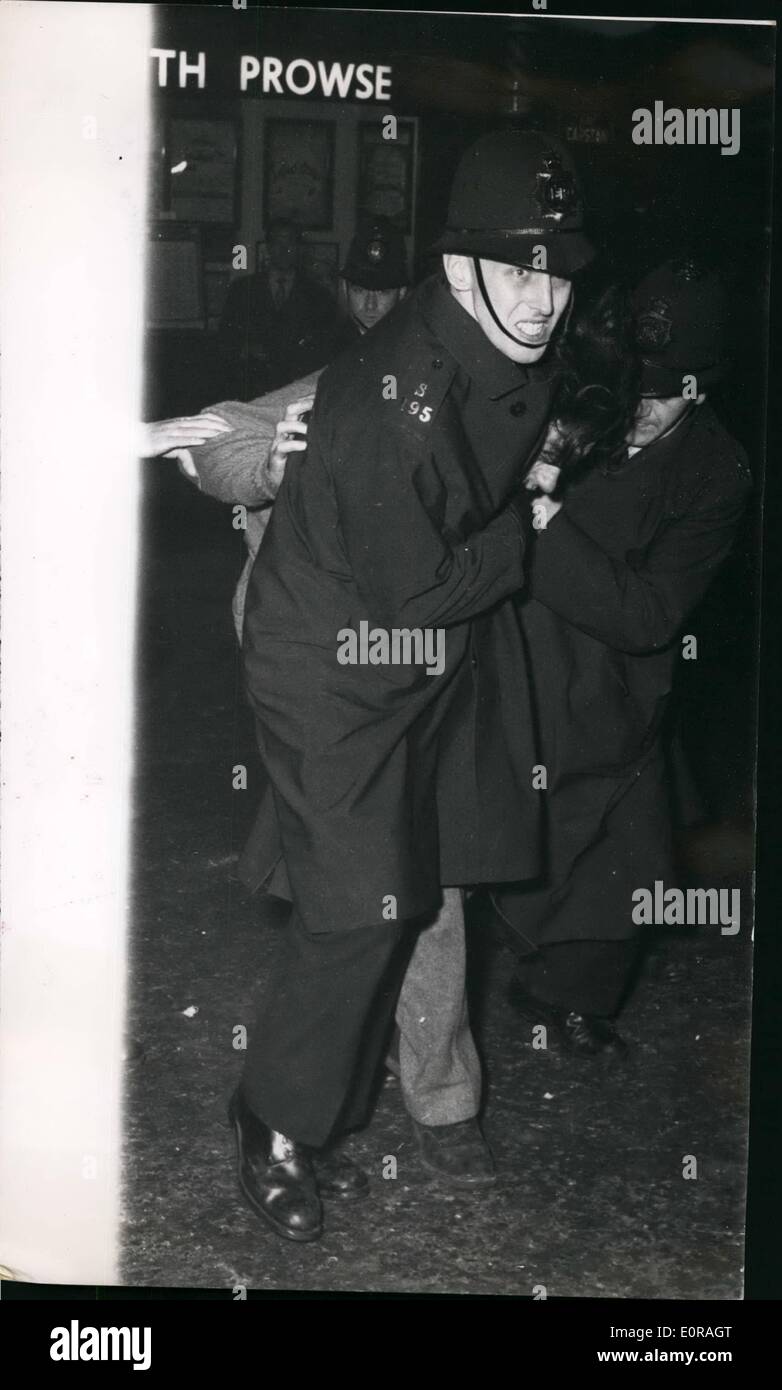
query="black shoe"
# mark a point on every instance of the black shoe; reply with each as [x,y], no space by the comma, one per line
[589,1036]
[583,1035]
[338,1177]
[458,1152]
[276,1176]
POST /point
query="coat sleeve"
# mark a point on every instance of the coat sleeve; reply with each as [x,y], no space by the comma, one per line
[234,467]
[408,572]
[637,605]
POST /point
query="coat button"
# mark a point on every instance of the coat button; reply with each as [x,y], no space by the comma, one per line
[437,363]
[474,662]
[519,408]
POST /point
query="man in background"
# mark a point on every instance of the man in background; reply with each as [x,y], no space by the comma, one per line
[278,324]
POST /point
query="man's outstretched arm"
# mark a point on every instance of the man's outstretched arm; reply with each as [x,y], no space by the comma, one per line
[239,455]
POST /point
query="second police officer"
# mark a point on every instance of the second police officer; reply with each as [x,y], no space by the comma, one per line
[626,556]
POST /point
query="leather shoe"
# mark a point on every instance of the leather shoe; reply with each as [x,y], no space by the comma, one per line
[583,1035]
[276,1175]
[339,1177]
[458,1152]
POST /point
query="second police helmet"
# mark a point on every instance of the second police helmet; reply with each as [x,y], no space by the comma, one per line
[377,258]
[681,311]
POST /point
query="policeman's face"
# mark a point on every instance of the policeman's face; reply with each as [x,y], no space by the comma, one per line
[528,304]
[655,416]
[367,307]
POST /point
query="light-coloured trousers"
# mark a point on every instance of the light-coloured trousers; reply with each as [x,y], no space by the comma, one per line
[440,1072]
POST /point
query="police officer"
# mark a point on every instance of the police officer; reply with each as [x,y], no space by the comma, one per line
[434,1054]
[624,558]
[391,788]
[437,1064]
[374,275]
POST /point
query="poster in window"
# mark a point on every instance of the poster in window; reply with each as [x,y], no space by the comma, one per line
[385,173]
[299,172]
[202,159]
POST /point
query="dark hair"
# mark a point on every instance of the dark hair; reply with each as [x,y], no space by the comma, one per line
[597,398]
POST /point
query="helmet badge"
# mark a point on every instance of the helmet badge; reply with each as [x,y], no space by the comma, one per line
[555,189]
[376,250]
[655,325]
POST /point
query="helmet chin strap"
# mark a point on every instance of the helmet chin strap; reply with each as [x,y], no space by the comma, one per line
[490,306]
[487,301]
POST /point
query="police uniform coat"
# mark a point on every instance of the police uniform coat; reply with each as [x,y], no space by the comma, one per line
[611,582]
[385,781]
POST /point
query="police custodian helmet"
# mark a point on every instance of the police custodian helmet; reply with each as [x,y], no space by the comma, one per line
[376,258]
[680,318]
[514,191]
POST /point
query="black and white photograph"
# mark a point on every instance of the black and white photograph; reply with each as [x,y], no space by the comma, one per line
[383,540]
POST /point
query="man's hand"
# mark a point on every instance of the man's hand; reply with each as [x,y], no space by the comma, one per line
[166,437]
[542,477]
[290,437]
[543,509]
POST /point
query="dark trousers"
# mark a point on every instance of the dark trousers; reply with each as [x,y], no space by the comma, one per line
[313,1058]
[585,977]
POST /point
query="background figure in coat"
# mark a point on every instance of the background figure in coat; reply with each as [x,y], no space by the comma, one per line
[393,786]
[623,558]
[278,324]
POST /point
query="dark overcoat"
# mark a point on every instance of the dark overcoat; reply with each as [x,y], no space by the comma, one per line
[386,782]
[265,346]
[611,583]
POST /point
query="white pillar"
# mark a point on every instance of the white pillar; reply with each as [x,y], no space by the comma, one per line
[74,79]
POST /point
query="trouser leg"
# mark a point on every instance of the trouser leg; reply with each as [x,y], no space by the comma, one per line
[375,1038]
[439,1066]
[586,977]
[310,1037]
